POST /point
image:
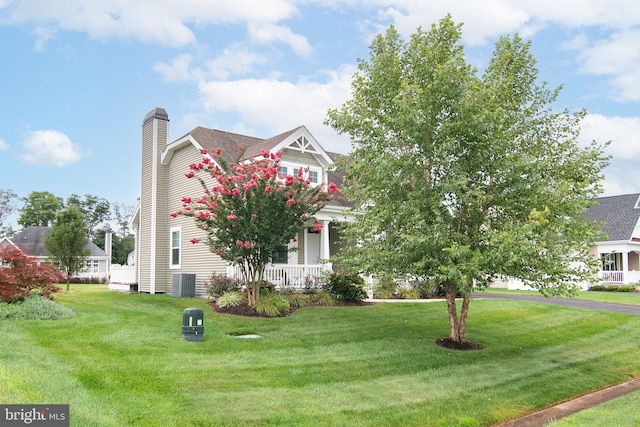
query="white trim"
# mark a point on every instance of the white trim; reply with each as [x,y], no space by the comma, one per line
[172,230]
[314,147]
[171,148]
[154,203]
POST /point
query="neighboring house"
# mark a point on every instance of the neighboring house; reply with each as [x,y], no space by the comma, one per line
[164,254]
[31,242]
[620,251]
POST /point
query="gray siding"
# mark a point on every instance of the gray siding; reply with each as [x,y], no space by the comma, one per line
[152,197]
[195,258]
[299,158]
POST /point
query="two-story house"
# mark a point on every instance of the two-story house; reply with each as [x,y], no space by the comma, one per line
[163,249]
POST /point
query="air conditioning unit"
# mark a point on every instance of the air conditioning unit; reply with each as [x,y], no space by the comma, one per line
[183,285]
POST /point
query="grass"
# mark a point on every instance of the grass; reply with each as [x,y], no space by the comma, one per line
[602,296]
[621,412]
[121,361]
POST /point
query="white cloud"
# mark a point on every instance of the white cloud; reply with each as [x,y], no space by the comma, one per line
[3,145]
[177,70]
[266,33]
[49,147]
[235,60]
[623,132]
[160,21]
[277,106]
[617,57]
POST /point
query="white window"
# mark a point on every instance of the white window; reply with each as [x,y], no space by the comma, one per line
[309,173]
[91,266]
[612,261]
[174,253]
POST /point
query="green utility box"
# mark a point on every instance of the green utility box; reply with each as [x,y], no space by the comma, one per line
[192,324]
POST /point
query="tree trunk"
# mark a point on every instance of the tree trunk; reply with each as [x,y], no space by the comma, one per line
[253,292]
[450,295]
[458,325]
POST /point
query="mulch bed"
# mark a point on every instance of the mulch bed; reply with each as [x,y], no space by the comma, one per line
[458,345]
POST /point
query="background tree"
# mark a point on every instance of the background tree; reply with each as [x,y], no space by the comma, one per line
[8,201]
[250,214]
[121,246]
[40,209]
[96,210]
[462,178]
[123,214]
[67,241]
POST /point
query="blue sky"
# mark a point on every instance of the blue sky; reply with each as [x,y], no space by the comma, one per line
[78,76]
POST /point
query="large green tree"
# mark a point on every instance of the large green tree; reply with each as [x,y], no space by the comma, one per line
[96,210]
[67,242]
[463,177]
[40,208]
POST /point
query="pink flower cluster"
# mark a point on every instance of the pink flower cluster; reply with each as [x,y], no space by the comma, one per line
[245,245]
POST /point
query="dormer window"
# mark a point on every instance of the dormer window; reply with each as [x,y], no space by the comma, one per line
[637,206]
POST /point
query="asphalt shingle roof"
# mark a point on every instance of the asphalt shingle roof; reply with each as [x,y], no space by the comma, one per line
[31,239]
[236,147]
[619,214]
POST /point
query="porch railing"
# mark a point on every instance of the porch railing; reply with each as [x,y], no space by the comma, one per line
[285,275]
[620,276]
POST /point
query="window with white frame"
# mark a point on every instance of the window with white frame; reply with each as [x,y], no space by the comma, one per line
[612,261]
[174,252]
[308,172]
[92,266]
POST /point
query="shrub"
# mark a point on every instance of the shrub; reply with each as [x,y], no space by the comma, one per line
[323,298]
[295,299]
[267,287]
[272,304]
[625,288]
[21,275]
[428,288]
[385,288]
[35,307]
[598,288]
[229,299]
[219,284]
[346,286]
[406,292]
[310,286]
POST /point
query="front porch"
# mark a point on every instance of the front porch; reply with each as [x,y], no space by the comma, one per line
[288,275]
[620,264]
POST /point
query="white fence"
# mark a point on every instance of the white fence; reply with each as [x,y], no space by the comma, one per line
[627,277]
[285,275]
[123,275]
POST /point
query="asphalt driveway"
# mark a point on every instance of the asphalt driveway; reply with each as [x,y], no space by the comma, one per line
[571,302]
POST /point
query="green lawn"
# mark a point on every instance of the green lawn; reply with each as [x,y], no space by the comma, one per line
[121,362]
[621,412]
[603,296]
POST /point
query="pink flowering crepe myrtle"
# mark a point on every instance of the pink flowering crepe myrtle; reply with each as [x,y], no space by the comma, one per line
[249,212]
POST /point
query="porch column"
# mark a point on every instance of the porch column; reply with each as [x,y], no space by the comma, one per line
[625,267]
[324,240]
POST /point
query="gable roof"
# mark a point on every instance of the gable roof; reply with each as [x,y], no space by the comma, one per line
[236,148]
[31,240]
[620,215]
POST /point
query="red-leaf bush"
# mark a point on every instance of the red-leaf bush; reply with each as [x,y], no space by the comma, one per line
[20,276]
